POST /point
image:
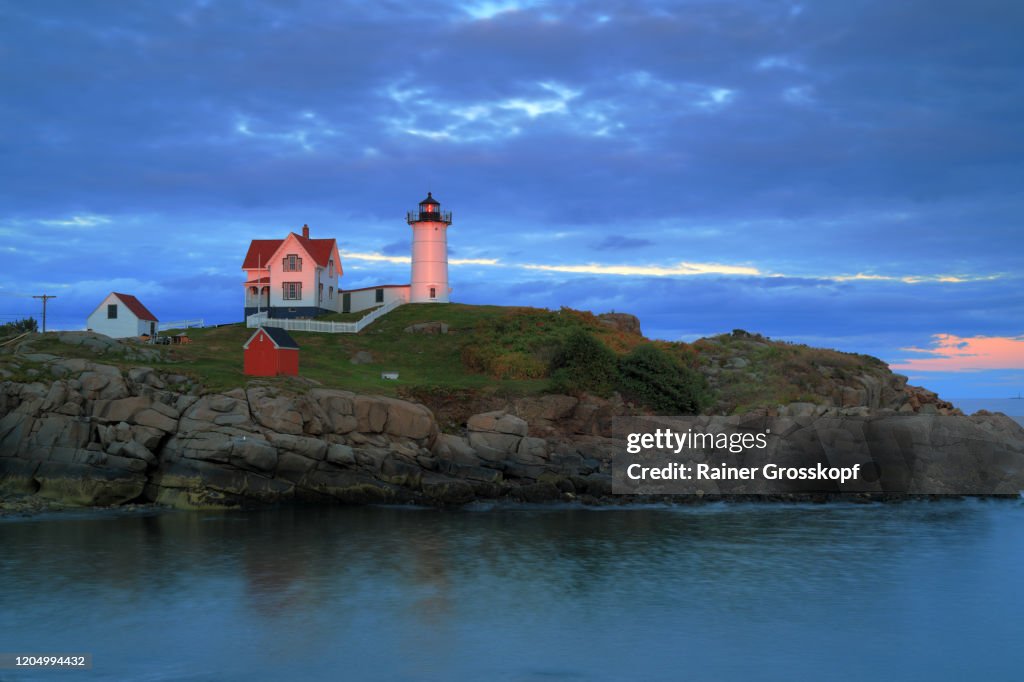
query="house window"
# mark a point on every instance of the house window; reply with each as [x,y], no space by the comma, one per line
[330,268]
[112,311]
[380,295]
[320,293]
[433,292]
[330,293]
[292,263]
[292,291]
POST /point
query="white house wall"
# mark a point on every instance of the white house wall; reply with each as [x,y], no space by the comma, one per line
[329,302]
[307,276]
[311,276]
[363,299]
[126,325]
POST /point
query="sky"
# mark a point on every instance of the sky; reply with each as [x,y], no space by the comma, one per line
[844,174]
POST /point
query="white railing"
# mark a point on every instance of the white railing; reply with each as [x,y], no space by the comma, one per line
[258,319]
[180,324]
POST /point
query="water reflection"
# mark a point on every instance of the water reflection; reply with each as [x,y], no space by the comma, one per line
[517,594]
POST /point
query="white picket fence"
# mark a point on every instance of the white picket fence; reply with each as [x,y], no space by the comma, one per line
[180,324]
[261,319]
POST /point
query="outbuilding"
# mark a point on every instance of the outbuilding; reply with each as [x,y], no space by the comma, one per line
[271,351]
[121,316]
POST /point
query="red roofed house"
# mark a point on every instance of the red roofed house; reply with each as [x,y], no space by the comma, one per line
[120,316]
[298,276]
[271,351]
[292,277]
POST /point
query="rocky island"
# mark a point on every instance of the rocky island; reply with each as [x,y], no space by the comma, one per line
[86,420]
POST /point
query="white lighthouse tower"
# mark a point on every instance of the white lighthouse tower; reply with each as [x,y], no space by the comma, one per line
[429,252]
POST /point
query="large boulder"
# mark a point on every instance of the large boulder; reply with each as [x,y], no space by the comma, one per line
[427,328]
[294,414]
[621,321]
[371,414]
[409,420]
[498,422]
[338,408]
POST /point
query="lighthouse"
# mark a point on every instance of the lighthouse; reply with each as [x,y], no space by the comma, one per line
[429,252]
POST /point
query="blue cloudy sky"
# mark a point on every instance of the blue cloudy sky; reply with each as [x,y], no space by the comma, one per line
[845,174]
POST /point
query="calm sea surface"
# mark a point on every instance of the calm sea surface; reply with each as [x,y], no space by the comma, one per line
[922,591]
[1011,407]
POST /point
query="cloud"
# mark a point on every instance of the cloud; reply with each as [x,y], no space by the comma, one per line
[951,353]
[395,248]
[615,242]
[77,221]
[489,9]
[800,95]
[915,279]
[778,62]
[370,256]
[679,269]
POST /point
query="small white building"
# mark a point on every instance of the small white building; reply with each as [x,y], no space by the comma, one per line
[354,300]
[121,316]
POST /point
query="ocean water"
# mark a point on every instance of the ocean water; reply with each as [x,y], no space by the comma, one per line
[917,591]
[1011,407]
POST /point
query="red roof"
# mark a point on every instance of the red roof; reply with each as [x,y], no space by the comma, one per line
[320,249]
[262,250]
[136,307]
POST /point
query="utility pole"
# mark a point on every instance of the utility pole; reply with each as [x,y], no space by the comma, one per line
[45,299]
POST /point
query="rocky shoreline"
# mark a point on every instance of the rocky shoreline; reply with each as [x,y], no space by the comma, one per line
[92,434]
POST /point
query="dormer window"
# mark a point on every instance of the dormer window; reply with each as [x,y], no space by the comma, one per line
[292,263]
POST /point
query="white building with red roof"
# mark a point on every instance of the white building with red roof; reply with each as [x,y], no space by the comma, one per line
[292,277]
[299,277]
[120,316]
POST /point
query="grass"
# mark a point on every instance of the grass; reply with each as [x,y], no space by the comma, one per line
[423,361]
[779,372]
[494,351]
[346,317]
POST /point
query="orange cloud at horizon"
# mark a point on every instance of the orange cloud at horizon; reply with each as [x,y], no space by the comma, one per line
[950,353]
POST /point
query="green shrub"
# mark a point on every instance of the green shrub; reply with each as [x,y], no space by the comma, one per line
[653,378]
[584,365]
[21,326]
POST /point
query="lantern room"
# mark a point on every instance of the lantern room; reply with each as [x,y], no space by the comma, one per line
[429,211]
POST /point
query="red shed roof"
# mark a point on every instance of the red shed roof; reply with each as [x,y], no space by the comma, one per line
[281,339]
[133,304]
[262,250]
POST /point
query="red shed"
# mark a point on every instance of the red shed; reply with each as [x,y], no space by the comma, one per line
[271,351]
